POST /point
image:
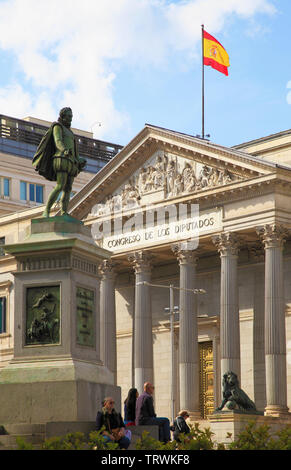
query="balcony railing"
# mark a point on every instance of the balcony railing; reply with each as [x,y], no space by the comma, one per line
[31,133]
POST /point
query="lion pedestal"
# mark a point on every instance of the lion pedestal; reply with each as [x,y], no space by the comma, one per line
[232,423]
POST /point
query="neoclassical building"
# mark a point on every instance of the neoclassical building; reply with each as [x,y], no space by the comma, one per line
[203,229]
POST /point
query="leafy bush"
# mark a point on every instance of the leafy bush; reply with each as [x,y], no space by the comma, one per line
[22,444]
[259,438]
[96,442]
[282,440]
[71,441]
[197,439]
[147,442]
[253,437]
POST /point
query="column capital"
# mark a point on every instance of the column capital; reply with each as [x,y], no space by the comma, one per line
[107,269]
[273,235]
[141,261]
[227,243]
[183,255]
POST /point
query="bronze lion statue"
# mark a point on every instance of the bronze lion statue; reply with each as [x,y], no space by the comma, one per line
[233,396]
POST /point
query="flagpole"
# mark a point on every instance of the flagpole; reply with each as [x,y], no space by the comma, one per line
[202,31]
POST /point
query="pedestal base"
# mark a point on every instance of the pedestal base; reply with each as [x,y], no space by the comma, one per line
[43,402]
[232,423]
[56,373]
[277,411]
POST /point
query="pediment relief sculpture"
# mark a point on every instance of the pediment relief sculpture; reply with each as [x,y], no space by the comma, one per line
[162,178]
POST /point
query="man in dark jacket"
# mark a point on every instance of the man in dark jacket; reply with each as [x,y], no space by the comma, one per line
[145,413]
[180,425]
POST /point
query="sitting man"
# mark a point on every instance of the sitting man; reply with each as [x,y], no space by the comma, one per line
[145,413]
[114,425]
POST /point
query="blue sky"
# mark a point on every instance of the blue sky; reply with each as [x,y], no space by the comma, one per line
[127,62]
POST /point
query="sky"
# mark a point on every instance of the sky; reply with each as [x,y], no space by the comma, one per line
[122,63]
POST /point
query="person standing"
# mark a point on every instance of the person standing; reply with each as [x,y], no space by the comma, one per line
[145,413]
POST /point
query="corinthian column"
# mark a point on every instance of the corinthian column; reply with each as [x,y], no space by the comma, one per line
[273,237]
[227,245]
[108,317]
[188,333]
[143,337]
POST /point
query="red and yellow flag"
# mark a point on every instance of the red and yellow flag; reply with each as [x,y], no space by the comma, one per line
[214,54]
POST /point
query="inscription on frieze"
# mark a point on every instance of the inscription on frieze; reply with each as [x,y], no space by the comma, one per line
[85,317]
[42,315]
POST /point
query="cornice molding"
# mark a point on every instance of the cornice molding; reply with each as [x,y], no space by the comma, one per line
[150,139]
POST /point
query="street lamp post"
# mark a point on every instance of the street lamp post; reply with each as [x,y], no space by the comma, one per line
[172,310]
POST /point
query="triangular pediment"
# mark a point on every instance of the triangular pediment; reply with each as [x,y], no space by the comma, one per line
[160,165]
[162,177]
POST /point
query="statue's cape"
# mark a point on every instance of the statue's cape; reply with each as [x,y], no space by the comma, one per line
[42,160]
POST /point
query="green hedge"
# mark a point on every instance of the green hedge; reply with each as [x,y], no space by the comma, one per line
[253,437]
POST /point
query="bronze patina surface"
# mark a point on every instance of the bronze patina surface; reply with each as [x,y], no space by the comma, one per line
[57,159]
[42,315]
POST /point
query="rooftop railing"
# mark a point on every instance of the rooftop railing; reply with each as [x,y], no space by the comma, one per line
[31,133]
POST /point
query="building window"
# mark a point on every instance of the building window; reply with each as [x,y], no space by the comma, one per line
[31,192]
[4,187]
[3,322]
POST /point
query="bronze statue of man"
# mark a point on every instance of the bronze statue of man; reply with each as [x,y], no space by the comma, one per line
[57,159]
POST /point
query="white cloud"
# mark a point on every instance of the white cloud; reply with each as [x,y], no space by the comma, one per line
[68,52]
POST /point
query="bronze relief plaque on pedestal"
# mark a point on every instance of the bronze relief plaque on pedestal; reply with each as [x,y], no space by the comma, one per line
[85,317]
[42,315]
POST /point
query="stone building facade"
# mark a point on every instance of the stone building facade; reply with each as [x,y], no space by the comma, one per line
[176,211]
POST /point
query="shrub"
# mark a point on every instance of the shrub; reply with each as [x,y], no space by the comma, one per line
[147,442]
[259,438]
[71,441]
[282,440]
[197,439]
[22,444]
[96,442]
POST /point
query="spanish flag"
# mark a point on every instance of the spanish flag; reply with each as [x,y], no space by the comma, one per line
[214,54]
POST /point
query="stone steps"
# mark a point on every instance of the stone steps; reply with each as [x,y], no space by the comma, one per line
[31,433]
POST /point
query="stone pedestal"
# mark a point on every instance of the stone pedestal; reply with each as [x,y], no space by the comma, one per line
[56,373]
[232,423]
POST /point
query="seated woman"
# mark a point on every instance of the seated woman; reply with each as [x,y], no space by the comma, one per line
[114,425]
[180,425]
[129,407]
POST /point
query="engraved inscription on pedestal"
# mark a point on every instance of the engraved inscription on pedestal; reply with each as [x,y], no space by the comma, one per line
[85,317]
[42,315]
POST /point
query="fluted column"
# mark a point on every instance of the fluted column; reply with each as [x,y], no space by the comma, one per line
[227,245]
[188,333]
[143,337]
[108,317]
[273,237]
